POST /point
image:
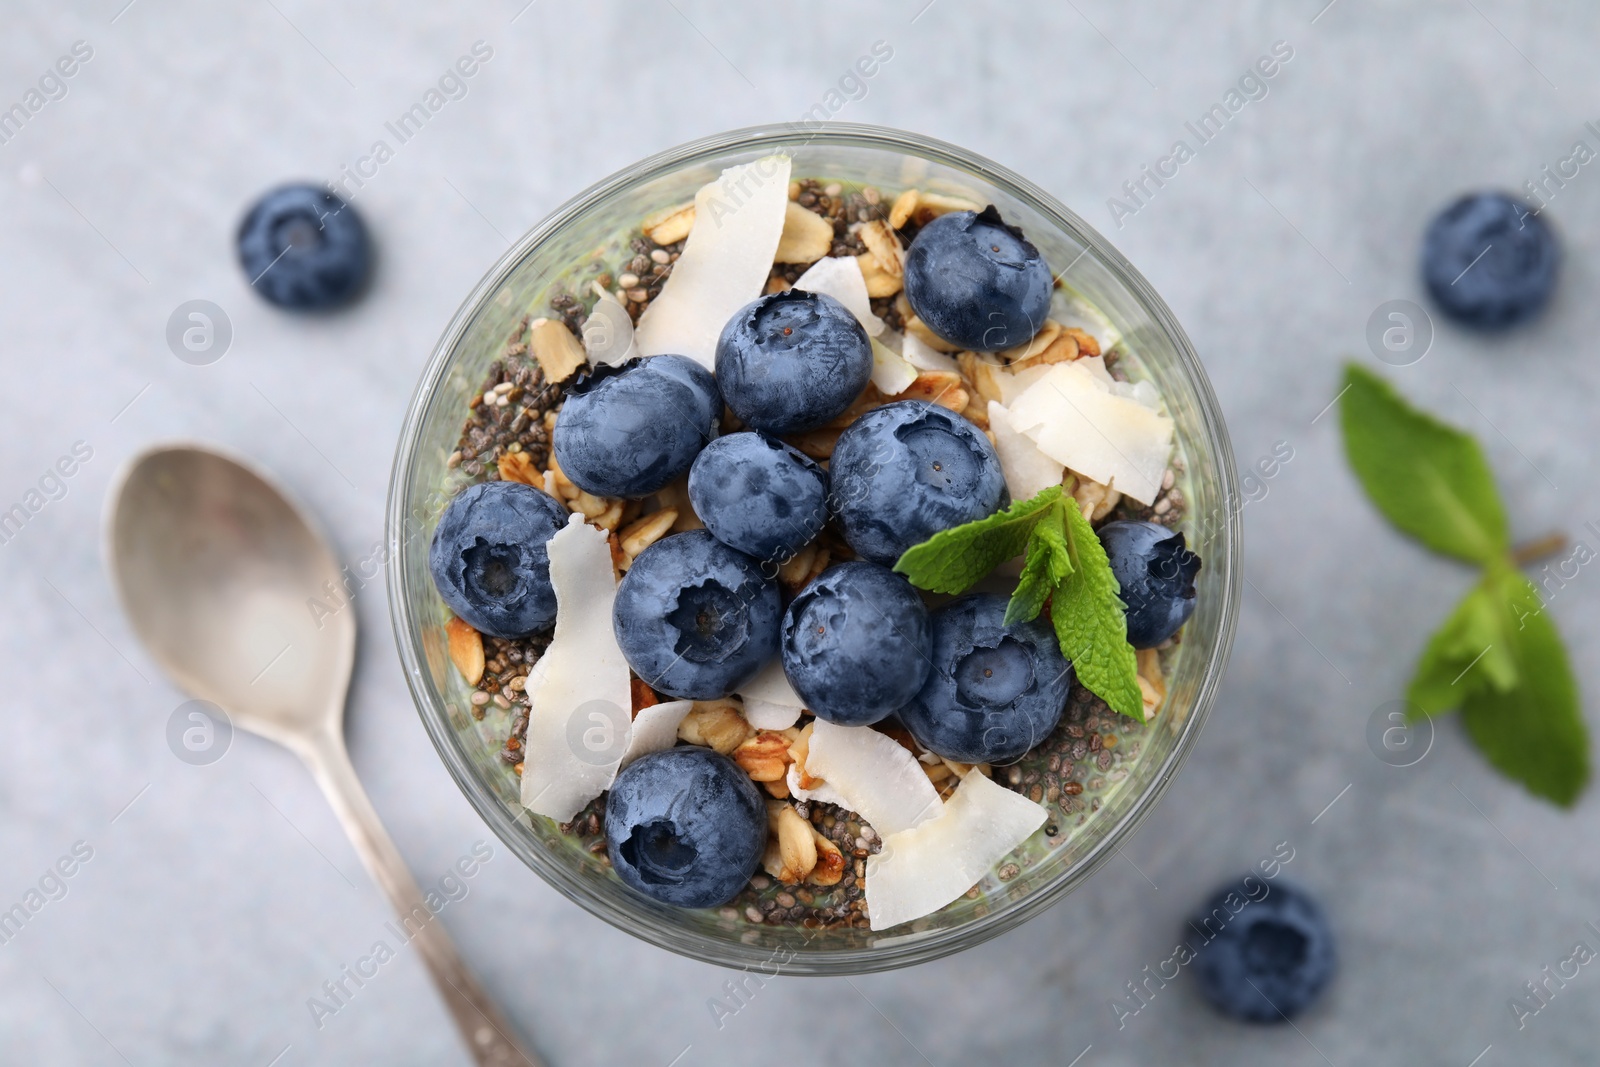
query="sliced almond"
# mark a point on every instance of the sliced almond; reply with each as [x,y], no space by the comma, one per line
[565,490]
[884,246]
[940,387]
[778,284]
[904,205]
[982,375]
[1034,346]
[611,517]
[920,329]
[879,281]
[779,789]
[591,506]
[646,531]
[830,861]
[518,467]
[764,757]
[931,205]
[1151,685]
[797,755]
[466,650]
[714,724]
[558,352]
[796,847]
[1086,342]
[977,413]
[806,238]
[670,226]
[797,566]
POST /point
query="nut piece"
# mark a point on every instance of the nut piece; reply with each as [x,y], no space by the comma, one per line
[879,281]
[1095,500]
[779,789]
[884,246]
[645,532]
[643,695]
[982,375]
[797,848]
[1151,685]
[1034,346]
[764,757]
[565,491]
[931,205]
[830,861]
[916,326]
[797,755]
[714,724]
[1086,342]
[676,496]
[806,237]
[940,387]
[670,226]
[466,650]
[558,352]
[518,467]
[904,205]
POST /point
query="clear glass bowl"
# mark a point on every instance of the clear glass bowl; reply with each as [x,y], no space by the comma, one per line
[560,249]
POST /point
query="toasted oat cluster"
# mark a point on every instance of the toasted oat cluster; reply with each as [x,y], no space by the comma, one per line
[781,660]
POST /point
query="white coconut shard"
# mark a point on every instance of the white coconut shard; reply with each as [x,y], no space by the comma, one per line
[840,277]
[1075,418]
[654,729]
[922,869]
[1014,383]
[823,793]
[890,373]
[1028,471]
[879,779]
[770,702]
[608,331]
[579,724]
[920,355]
[725,262]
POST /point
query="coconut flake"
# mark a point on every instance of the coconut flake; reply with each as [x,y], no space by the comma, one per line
[1075,418]
[822,793]
[738,220]
[770,702]
[922,869]
[890,373]
[840,277]
[580,685]
[608,331]
[1013,384]
[919,354]
[654,729]
[1028,471]
[879,779]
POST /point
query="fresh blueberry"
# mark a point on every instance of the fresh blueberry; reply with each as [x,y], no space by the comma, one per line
[759,495]
[791,361]
[1156,571]
[977,282]
[628,430]
[305,249]
[685,826]
[905,471]
[695,618]
[490,560]
[1489,261]
[995,691]
[1266,958]
[856,644]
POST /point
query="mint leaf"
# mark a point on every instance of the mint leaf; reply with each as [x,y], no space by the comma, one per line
[1046,565]
[1090,621]
[951,560]
[1471,651]
[1532,732]
[1427,478]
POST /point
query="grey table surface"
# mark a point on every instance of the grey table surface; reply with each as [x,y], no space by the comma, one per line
[218,899]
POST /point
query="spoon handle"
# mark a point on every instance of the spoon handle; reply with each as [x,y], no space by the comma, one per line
[488,1036]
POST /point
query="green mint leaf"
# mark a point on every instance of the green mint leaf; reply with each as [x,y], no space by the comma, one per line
[1534,731]
[1469,652]
[1429,479]
[951,560]
[1046,565]
[1091,624]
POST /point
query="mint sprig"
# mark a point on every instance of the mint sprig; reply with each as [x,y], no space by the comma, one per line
[1064,564]
[1498,657]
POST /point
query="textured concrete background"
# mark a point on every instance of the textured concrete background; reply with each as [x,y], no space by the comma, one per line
[219,898]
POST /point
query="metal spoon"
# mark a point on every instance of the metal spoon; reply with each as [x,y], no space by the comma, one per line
[214,567]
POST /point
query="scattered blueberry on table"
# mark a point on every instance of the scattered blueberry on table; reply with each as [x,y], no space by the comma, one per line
[1156,571]
[977,282]
[304,249]
[791,361]
[1268,962]
[759,495]
[1489,261]
[490,557]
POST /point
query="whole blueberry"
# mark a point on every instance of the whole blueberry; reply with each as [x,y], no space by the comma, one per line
[977,282]
[995,691]
[1265,958]
[791,361]
[305,249]
[490,557]
[1156,571]
[759,495]
[1489,261]
[685,826]
[856,644]
[905,471]
[628,430]
[695,618]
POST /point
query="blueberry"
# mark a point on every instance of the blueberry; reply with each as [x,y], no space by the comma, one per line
[490,561]
[977,282]
[685,826]
[628,430]
[856,644]
[305,249]
[1266,958]
[791,361]
[905,471]
[1489,261]
[695,618]
[1156,571]
[994,691]
[759,495]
